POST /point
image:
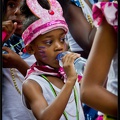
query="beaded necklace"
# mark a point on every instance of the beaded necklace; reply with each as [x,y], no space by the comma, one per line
[16,44]
[75,96]
[14,81]
[87,11]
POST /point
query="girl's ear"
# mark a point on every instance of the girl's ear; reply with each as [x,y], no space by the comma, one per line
[29,49]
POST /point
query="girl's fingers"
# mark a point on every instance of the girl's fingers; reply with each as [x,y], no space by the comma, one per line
[6,49]
[9,26]
[70,57]
[15,26]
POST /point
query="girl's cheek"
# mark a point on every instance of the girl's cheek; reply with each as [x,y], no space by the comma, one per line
[41,47]
[42,52]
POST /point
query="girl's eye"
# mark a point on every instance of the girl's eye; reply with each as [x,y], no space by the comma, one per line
[63,39]
[48,42]
[11,5]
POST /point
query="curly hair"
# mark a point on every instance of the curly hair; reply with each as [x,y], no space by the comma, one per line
[29,21]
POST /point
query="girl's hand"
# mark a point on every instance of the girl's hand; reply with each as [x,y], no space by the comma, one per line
[68,65]
[10,57]
[13,60]
[9,27]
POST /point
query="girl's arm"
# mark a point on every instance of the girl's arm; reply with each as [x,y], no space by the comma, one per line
[79,27]
[96,71]
[13,60]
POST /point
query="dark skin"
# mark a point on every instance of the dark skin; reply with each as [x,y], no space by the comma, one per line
[84,37]
[13,13]
[79,27]
[14,58]
[54,43]
[9,27]
[102,52]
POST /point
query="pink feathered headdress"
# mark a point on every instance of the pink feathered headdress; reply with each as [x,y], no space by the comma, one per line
[49,20]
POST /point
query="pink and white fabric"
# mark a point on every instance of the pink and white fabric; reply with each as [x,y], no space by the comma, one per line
[47,70]
[109,10]
[49,20]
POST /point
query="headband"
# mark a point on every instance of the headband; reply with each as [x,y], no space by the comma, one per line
[48,20]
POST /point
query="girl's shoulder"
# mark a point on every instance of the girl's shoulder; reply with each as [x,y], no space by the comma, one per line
[35,77]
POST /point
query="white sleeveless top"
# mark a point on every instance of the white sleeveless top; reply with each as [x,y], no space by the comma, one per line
[112,83]
[49,96]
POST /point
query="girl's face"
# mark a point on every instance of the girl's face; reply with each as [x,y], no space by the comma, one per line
[13,13]
[46,47]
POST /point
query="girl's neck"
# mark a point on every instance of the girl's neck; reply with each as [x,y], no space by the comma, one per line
[43,64]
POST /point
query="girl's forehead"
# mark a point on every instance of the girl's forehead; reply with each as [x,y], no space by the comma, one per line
[56,32]
[53,33]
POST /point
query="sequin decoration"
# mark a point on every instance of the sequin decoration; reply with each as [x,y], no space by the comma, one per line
[51,12]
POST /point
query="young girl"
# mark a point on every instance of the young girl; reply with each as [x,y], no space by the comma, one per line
[103,62]
[51,92]
[14,64]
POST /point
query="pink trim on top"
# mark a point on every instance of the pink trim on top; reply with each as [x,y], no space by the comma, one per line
[33,31]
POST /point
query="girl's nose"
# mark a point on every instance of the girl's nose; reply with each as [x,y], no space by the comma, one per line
[17,11]
[59,46]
